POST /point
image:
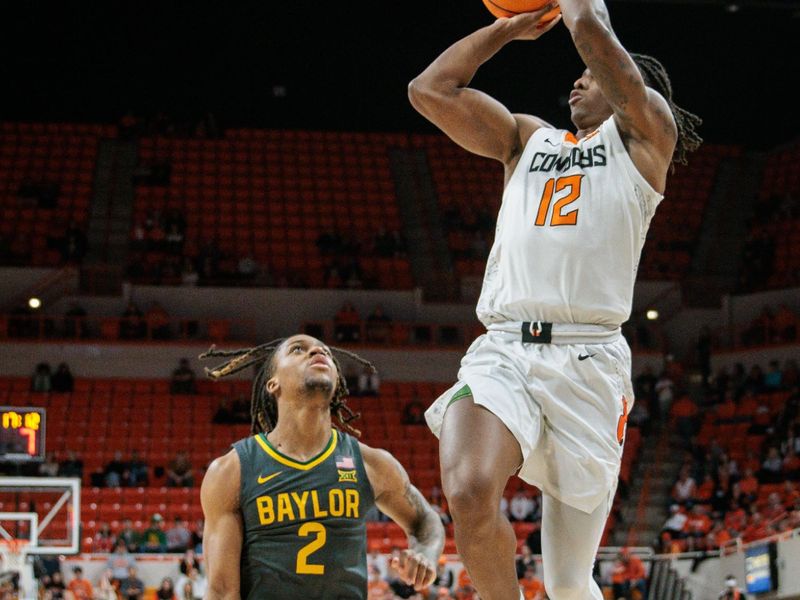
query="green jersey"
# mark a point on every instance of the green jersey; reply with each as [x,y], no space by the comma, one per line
[305,536]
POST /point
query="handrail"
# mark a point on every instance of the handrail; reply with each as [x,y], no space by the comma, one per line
[41,327]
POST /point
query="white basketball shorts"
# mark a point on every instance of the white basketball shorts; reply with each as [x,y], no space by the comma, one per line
[565,402]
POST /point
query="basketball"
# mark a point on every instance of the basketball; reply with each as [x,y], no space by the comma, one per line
[510,8]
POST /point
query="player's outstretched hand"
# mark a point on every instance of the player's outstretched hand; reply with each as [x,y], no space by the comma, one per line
[528,25]
[414,569]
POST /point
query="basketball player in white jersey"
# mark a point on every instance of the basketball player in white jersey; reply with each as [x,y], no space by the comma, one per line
[545,393]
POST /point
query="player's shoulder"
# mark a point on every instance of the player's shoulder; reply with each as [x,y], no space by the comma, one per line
[527,125]
[223,477]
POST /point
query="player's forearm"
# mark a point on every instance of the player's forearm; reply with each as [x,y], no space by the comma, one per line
[427,536]
[457,65]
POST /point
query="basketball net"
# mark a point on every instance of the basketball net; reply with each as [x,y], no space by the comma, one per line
[14,554]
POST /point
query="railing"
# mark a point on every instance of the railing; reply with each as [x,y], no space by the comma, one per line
[113,329]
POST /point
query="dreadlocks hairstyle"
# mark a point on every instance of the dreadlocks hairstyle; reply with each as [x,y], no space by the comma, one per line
[263,405]
[655,76]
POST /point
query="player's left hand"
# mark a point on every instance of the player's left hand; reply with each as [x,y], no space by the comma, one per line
[414,569]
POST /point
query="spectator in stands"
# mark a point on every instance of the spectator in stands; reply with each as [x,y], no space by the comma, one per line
[773,377]
[41,380]
[524,560]
[756,529]
[55,588]
[178,536]
[157,321]
[62,380]
[675,523]
[105,589]
[532,587]
[180,472]
[129,536]
[520,507]
[166,591]
[247,268]
[378,327]
[683,491]
[197,581]
[189,274]
[665,390]
[114,470]
[347,324]
[80,588]
[197,536]
[120,561]
[103,539]
[698,525]
[189,561]
[377,587]
[791,465]
[731,591]
[131,588]
[369,382]
[49,466]
[138,473]
[174,239]
[72,466]
[772,467]
[183,379]
[153,538]
[132,325]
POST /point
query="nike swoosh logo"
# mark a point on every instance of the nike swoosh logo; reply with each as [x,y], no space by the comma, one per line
[268,477]
[549,142]
[584,356]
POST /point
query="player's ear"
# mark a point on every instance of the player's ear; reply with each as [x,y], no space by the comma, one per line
[272,385]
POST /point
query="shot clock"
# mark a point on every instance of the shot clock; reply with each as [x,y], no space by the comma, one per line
[22,433]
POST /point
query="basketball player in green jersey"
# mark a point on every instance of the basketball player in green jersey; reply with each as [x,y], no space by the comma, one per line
[284,509]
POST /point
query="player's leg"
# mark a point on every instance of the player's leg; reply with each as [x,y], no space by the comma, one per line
[478,454]
[570,539]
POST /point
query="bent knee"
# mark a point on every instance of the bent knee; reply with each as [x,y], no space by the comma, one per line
[471,493]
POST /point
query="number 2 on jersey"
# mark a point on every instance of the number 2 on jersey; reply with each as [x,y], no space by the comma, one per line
[318,529]
[572,185]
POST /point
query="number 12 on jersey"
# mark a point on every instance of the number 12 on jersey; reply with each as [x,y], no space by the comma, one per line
[571,186]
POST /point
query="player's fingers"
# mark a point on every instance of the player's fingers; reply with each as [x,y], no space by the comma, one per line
[545,27]
[423,578]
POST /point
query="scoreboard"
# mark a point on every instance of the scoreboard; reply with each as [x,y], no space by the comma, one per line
[22,432]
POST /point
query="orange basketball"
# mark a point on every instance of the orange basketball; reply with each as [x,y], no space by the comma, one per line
[509,8]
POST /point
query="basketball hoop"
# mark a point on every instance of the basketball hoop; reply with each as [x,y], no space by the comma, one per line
[14,554]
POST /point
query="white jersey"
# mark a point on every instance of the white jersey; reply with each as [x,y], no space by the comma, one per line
[569,232]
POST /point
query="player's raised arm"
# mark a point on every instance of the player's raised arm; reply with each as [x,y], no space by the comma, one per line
[640,113]
[471,118]
[405,505]
[222,536]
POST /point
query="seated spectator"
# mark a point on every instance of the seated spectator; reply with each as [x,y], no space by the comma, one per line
[49,466]
[103,539]
[158,322]
[189,561]
[378,327]
[756,529]
[773,377]
[129,536]
[174,239]
[183,379]
[197,536]
[55,587]
[772,467]
[684,489]
[524,560]
[62,380]
[120,561]
[178,536]
[347,324]
[698,525]
[132,325]
[718,536]
[105,589]
[138,473]
[377,588]
[748,485]
[114,470]
[521,506]
[72,466]
[247,268]
[153,538]
[80,588]
[196,582]
[736,517]
[532,586]
[41,381]
[166,591]
[223,414]
[180,472]
[189,274]
[131,588]
[369,382]
[676,523]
